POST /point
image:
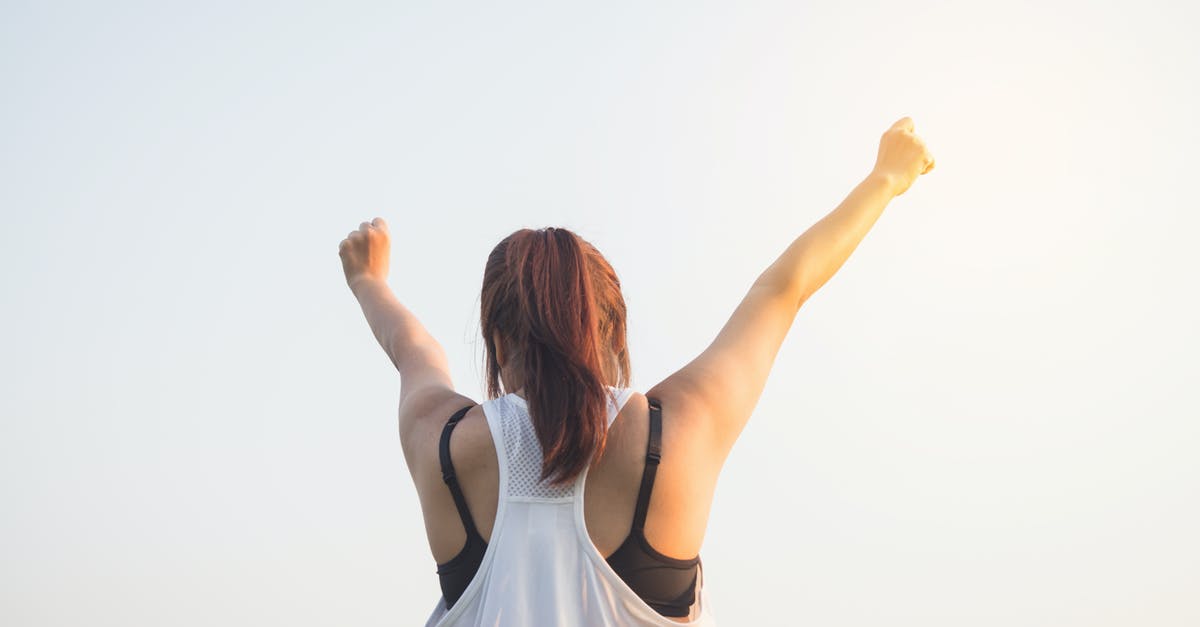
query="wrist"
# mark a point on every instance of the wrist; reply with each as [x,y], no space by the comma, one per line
[882,180]
[363,281]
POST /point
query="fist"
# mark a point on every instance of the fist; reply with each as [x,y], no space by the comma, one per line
[902,156]
[365,252]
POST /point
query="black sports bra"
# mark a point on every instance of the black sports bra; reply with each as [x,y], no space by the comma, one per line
[665,583]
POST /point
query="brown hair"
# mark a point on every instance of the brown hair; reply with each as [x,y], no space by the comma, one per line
[557,304]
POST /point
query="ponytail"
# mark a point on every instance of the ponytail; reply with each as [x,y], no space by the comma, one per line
[558,304]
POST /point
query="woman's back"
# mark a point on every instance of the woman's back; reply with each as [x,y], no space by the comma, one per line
[674,521]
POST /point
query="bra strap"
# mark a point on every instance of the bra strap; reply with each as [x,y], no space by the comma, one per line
[448,473]
[653,455]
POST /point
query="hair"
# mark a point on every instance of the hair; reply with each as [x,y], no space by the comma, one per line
[557,305]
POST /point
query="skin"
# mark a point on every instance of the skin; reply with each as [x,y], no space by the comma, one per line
[706,403]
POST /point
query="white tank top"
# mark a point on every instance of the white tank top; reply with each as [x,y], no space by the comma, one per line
[540,566]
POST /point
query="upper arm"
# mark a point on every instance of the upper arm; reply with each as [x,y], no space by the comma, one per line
[719,389]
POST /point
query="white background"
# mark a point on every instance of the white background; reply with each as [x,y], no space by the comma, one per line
[989,416]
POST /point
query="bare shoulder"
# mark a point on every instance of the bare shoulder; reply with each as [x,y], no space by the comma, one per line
[684,409]
[422,419]
[686,425]
[681,499]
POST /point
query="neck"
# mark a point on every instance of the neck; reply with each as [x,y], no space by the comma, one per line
[513,382]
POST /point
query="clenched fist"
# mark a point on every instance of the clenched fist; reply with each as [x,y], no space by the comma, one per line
[902,156]
[365,252]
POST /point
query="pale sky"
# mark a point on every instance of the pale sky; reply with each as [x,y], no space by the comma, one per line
[988,417]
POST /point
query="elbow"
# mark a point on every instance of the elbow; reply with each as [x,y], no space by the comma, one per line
[414,357]
[794,290]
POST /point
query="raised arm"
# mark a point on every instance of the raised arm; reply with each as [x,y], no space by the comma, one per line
[718,390]
[418,357]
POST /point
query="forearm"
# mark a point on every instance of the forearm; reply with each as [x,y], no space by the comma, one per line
[814,257]
[397,329]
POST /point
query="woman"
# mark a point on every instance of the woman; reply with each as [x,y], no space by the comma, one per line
[514,537]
